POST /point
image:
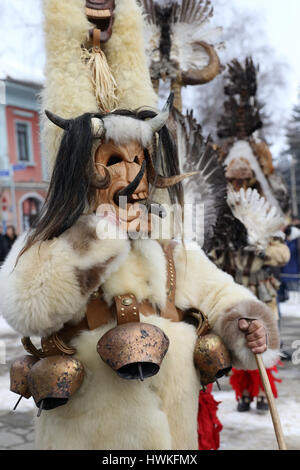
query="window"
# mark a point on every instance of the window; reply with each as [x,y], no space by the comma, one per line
[23,133]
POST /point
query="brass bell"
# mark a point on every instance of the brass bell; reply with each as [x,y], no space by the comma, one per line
[19,371]
[53,380]
[134,350]
[211,355]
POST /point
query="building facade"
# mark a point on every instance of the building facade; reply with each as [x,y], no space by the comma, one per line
[23,176]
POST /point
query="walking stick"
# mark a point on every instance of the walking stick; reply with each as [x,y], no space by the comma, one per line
[271,402]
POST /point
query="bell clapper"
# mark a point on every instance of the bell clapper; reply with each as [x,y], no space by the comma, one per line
[218,384]
[40,408]
[141,372]
[16,405]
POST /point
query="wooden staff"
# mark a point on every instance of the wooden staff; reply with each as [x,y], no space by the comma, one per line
[271,402]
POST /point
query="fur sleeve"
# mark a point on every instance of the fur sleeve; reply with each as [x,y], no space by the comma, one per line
[200,284]
[52,281]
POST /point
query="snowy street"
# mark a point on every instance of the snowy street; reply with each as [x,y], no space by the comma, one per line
[241,431]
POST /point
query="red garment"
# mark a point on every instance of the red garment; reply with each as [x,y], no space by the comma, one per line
[250,380]
[209,426]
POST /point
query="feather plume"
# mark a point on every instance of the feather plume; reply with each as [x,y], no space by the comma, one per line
[173,33]
[208,188]
[261,220]
[242,110]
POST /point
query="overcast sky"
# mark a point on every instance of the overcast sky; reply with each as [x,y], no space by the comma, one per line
[282,24]
[21,39]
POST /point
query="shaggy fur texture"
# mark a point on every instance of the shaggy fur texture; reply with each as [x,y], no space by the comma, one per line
[110,413]
[123,129]
[44,291]
[227,327]
[69,91]
[126,56]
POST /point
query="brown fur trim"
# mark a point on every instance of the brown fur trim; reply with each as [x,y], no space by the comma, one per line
[90,279]
[82,235]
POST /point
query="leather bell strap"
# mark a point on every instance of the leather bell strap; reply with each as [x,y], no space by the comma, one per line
[96,40]
[170,311]
[127,309]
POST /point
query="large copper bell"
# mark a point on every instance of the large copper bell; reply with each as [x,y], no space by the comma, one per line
[134,350]
[211,356]
[53,380]
[19,371]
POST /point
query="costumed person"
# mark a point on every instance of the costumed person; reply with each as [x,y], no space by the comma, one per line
[182,50]
[111,309]
[83,291]
[248,166]
[204,195]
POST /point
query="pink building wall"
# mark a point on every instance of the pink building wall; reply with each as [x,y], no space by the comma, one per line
[31,176]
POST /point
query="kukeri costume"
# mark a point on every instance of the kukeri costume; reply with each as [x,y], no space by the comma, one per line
[52,290]
[109,309]
[249,166]
[181,44]
[182,50]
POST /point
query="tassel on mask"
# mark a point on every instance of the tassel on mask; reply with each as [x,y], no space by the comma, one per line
[102,78]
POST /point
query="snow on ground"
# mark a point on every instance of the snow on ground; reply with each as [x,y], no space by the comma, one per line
[254,431]
[241,431]
[291,308]
[10,342]
[5,329]
[8,399]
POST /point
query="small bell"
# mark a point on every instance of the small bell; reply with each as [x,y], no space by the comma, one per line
[19,371]
[134,350]
[211,355]
[53,380]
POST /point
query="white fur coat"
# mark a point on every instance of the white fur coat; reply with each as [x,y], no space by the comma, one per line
[51,285]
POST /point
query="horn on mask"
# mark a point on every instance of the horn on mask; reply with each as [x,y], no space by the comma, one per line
[100,182]
[57,120]
[162,182]
[161,119]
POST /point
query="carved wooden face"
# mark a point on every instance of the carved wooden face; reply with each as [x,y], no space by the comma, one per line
[124,163]
[100,12]
[239,173]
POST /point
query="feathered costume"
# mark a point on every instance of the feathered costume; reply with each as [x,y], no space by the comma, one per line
[181,47]
[75,284]
[181,44]
[251,200]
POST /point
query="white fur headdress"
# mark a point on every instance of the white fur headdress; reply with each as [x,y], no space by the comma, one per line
[69,89]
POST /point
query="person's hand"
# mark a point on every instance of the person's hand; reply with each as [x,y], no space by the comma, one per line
[255,335]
